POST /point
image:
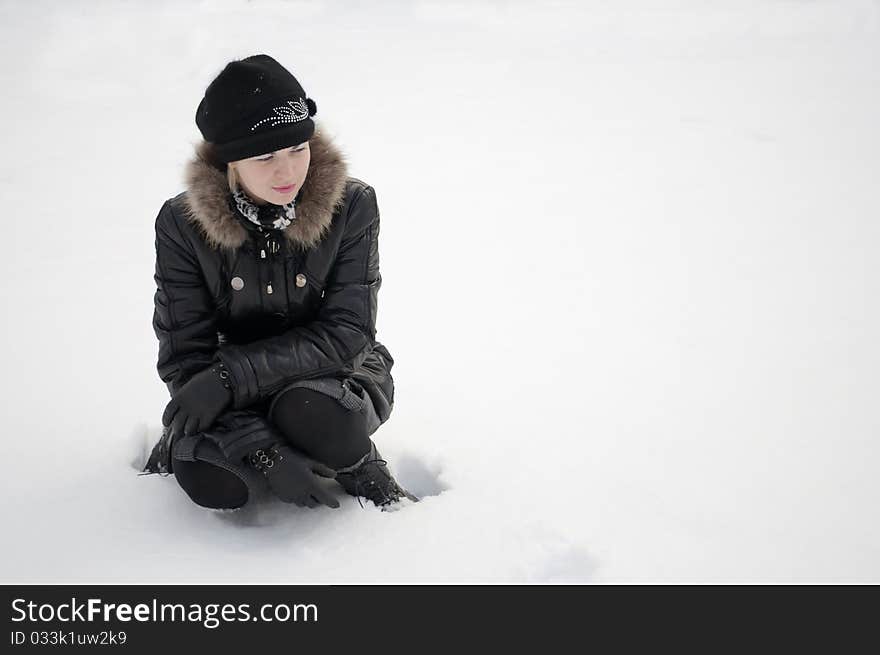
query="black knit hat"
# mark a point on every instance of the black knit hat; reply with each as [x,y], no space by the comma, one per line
[255,106]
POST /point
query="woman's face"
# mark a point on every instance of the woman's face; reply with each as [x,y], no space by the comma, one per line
[264,177]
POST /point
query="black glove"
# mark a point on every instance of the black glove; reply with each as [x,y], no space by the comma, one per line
[199,402]
[291,475]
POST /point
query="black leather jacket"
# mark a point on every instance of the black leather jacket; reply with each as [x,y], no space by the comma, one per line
[274,307]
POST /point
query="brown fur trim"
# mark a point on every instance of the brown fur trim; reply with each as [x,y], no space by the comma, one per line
[207,197]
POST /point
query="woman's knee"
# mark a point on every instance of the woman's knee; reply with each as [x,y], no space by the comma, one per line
[321,426]
[209,485]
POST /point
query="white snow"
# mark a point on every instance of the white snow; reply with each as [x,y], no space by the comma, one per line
[630,281]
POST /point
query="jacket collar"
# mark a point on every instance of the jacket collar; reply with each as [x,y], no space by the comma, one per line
[207,198]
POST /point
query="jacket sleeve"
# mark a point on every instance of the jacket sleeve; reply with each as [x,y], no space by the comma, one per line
[184,316]
[342,333]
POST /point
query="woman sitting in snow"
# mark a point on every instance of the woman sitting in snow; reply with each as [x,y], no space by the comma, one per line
[267,275]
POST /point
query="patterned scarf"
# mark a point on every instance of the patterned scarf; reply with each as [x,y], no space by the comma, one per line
[269,216]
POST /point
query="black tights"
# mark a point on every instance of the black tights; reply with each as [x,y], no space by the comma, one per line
[308,420]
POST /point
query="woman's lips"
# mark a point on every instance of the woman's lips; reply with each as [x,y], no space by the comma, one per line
[284,189]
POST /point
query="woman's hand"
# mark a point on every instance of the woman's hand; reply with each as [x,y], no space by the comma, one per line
[198,403]
[292,476]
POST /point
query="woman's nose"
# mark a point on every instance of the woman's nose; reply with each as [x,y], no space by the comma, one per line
[284,170]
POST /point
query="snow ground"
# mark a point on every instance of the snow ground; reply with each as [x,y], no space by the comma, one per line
[628,252]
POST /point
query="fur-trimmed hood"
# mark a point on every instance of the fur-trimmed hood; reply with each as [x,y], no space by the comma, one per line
[206,200]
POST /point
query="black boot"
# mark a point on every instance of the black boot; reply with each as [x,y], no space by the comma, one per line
[369,477]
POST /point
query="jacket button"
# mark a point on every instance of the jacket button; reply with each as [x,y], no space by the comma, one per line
[237,283]
[300,280]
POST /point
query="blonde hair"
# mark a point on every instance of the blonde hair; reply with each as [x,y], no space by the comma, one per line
[231,178]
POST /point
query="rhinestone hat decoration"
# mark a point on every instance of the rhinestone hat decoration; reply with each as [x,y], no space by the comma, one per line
[286,213]
[292,111]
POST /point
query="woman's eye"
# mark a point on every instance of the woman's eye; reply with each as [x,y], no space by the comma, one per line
[269,158]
